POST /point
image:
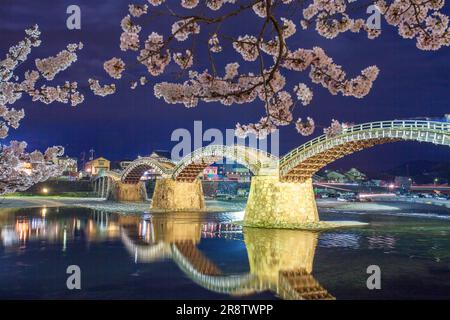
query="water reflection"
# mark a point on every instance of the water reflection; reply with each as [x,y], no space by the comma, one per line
[341,240]
[283,261]
[18,228]
[280,261]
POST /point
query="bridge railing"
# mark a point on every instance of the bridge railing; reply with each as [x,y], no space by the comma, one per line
[156,164]
[393,124]
[256,156]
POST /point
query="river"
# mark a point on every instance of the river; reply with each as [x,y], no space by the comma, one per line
[206,256]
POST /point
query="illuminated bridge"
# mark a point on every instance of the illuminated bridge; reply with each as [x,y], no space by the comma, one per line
[302,162]
[286,271]
[281,192]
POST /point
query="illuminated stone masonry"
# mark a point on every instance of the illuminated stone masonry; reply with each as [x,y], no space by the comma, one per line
[172,195]
[276,204]
[127,192]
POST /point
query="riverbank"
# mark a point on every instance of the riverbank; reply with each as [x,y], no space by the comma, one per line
[12,202]
[397,204]
[212,206]
[17,202]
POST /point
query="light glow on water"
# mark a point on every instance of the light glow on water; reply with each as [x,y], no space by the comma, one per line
[190,255]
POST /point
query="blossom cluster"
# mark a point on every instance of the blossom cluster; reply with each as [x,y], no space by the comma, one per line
[304,94]
[114,67]
[305,128]
[51,66]
[334,129]
[269,48]
[419,19]
[100,90]
[19,169]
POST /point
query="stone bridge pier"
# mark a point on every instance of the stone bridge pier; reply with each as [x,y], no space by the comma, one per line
[127,192]
[173,195]
[169,194]
[284,259]
[271,203]
[276,204]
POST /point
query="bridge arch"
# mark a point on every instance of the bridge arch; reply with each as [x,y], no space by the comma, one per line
[103,183]
[145,253]
[134,171]
[109,174]
[301,163]
[257,161]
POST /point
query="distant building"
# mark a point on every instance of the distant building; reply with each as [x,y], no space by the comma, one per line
[335,176]
[233,171]
[97,166]
[164,154]
[319,177]
[240,173]
[120,165]
[123,164]
[376,182]
[355,175]
[222,169]
[210,173]
[241,192]
[403,182]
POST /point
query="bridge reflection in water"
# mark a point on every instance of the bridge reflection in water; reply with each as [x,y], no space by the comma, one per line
[280,261]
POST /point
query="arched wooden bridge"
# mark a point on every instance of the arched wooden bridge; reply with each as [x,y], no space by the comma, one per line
[300,163]
[281,188]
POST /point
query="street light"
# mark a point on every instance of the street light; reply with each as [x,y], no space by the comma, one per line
[44,190]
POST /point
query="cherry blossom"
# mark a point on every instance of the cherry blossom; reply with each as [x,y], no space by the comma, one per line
[305,128]
[334,129]
[304,94]
[18,169]
[182,29]
[129,41]
[261,129]
[189,4]
[231,71]
[51,66]
[137,10]
[263,54]
[114,67]
[152,57]
[214,44]
[184,61]
[100,90]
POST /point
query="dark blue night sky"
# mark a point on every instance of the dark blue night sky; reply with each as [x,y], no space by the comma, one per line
[412,83]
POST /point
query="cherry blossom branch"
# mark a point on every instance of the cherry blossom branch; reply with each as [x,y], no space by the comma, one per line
[418,19]
[19,169]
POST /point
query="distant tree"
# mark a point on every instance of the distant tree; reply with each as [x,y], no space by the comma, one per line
[19,169]
[267,53]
